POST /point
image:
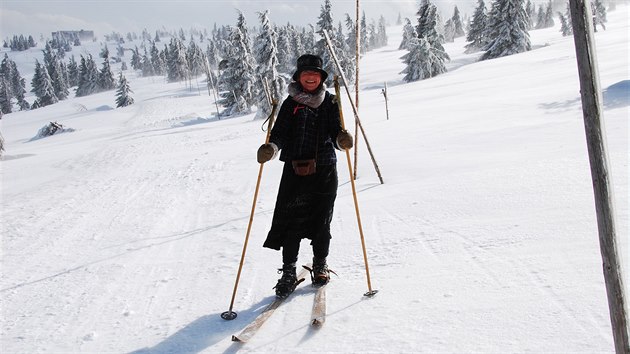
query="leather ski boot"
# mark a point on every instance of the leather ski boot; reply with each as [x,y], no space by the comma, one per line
[287,283]
[321,274]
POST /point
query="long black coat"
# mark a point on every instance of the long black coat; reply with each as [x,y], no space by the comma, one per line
[304,205]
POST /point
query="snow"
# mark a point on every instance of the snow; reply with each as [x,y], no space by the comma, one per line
[126,234]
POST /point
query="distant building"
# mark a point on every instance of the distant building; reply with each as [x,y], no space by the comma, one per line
[71,36]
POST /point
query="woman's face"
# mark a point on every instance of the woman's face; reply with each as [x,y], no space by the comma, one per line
[310,80]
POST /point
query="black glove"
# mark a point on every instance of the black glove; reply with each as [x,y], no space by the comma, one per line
[265,153]
[344,140]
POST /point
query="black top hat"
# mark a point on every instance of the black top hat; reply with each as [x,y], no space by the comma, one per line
[309,62]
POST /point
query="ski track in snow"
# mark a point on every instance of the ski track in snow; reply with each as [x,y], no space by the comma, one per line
[126,235]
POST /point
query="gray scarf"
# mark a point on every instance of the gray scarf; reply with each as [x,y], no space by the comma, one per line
[312,100]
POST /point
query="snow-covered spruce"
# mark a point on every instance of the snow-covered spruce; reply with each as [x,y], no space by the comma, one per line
[122,94]
[507,29]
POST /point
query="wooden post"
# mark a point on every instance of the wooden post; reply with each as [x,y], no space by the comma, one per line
[384,92]
[357,28]
[591,107]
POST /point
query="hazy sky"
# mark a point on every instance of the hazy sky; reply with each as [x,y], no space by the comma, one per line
[35,17]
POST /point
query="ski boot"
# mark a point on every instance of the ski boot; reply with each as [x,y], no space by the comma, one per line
[287,283]
[320,274]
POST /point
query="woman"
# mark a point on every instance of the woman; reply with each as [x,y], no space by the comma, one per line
[307,131]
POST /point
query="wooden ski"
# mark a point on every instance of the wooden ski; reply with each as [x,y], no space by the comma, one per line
[318,316]
[248,332]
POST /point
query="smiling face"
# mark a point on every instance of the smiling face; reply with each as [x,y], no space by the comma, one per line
[310,80]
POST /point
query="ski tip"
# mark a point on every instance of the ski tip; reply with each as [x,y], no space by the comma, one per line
[317,323]
[235,339]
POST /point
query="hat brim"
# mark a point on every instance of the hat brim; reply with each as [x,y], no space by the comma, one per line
[296,75]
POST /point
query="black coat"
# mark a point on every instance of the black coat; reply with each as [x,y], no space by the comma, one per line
[301,132]
[304,205]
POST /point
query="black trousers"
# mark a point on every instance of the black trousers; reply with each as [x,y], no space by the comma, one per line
[291,248]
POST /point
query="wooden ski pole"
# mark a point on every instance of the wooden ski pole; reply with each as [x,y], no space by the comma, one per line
[370,292]
[229,314]
[354,108]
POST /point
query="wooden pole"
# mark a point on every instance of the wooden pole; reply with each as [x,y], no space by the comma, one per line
[357,28]
[354,109]
[592,110]
[370,292]
[386,105]
[229,314]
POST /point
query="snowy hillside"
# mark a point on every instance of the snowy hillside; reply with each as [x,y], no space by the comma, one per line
[125,235]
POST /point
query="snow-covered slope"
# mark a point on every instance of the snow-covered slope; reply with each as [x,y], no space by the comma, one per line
[125,235]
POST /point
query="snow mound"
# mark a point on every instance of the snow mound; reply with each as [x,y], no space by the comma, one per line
[617,95]
[51,128]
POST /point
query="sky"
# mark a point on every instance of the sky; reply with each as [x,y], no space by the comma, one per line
[35,17]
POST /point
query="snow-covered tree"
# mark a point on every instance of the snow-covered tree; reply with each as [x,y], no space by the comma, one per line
[544,19]
[122,93]
[42,86]
[345,54]
[381,32]
[241,24]
[477,31]
[549,16]
[426,57]
[599,14]
[363,34]
[14,83]
[352,35]
[266,55]
[196,59]
[457,22]
[136,59]
[427,28]
[157,60]
[540,18]
[147,64]
[449,31]
[530,9]
[1,140]
[566,26]
[56,72]
[324,23]
[426,16]
[212,54]
[176,62]
[237,80]
[106,79]
[88,77]
[285,55]
[5,96]
[308,41]
[297,46]
[60,80]
[409,33]
[417,60]
[73,72]
[507,29]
